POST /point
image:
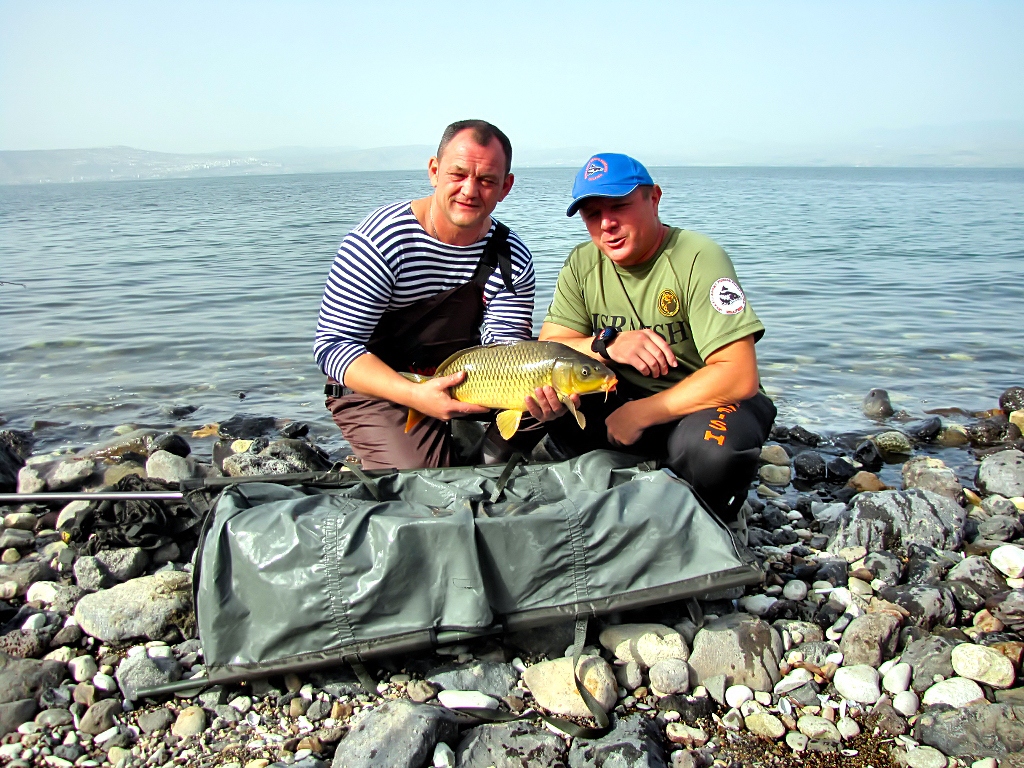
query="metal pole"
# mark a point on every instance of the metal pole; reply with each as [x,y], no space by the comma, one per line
[98,496]
[179,685]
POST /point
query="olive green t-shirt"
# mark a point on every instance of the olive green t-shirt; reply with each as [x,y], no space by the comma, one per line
[687,293]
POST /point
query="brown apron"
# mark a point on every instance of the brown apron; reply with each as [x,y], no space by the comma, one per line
[417,338]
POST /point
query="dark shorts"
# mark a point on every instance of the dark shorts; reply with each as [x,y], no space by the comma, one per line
[715,450]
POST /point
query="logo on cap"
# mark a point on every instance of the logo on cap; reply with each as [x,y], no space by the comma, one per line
[596,168]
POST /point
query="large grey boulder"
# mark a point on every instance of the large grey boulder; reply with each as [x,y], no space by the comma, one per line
[633,742]
[980,574]
[893,520]
[26,573]
[15,713]
[488,677]
[930,474]
[124,564]
[10,465]
[169,467]
[510,745]
[141,671]
[299,455]
[993,730]
[1002,473]
[929,657]
[400,734]
[743,648]
[150,606]
[27,678]
[870,639]
[928,606]
[70,474]
[247,464]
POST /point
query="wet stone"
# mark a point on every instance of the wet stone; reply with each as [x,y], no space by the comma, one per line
[979,572]
[491,678]
[510,745]
[634,742]
[956,692]
[983,729]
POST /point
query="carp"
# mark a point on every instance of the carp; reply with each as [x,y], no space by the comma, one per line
[501,376]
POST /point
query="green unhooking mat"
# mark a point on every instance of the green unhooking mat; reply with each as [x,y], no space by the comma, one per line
[342,568]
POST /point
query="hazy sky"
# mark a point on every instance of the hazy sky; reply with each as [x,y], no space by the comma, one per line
[636,76]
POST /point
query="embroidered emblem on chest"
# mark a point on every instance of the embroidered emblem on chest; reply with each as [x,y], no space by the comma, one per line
[668,303]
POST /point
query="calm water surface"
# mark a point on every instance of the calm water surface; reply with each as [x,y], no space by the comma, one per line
[141,296]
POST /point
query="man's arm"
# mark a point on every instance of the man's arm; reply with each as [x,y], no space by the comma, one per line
[730,375]
[644,349]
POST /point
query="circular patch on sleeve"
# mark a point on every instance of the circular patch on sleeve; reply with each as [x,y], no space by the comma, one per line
[727,297]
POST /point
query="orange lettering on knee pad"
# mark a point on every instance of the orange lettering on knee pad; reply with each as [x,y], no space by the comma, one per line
[720,439]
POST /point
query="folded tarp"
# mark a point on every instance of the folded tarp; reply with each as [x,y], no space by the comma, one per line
[298,577]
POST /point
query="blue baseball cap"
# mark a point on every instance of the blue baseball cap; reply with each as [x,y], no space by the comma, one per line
[607,175]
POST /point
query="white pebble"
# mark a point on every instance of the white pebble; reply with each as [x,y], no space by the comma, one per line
[466,700]
[104,682]
[735,695]
[35,621]
[848,728]
[242,703]
[897,679]
[1008,560]
[83,668]
[858,683]
[906,703]
[795,590]
[159,652]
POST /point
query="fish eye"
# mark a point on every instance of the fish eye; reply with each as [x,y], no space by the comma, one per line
[585,371]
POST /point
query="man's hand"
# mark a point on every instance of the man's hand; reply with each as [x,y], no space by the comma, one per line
[432,398]
[544,404]
[644,350]
[624,427]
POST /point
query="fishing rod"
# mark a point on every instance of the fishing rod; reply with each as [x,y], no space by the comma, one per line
[98,496]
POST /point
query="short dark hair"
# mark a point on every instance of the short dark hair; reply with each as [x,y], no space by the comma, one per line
[483,134]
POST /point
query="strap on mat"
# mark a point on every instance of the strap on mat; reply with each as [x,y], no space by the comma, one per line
[565,726]
[368,483]
[506,475]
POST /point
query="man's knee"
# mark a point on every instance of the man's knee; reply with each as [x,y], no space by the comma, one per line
[708,463]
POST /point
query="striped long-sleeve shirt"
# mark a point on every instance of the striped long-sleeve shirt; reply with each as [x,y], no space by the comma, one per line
[388,262]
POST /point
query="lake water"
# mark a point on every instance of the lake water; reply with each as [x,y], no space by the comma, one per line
[141,296]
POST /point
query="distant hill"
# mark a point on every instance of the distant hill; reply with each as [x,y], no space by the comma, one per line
[970,145]
[124,163]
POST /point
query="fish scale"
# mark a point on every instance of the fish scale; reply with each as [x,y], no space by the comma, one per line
[502,376]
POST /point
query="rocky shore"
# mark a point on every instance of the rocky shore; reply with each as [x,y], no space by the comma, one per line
[889,629]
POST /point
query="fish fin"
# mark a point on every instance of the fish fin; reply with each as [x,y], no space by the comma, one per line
[416,378]
[508,423]
[580,418]
[414,418]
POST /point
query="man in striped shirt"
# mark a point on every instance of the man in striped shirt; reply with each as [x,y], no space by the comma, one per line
[414,282]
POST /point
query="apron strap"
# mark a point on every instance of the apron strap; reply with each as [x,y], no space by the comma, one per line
[497,253]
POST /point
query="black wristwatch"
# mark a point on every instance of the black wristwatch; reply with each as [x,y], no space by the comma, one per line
[601,341]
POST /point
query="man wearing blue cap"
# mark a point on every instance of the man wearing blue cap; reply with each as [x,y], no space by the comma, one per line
[664,307]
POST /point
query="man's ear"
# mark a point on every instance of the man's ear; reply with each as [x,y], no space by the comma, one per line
[506,186]
[432,168]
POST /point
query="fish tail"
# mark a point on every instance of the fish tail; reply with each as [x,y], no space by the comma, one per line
[414,418]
